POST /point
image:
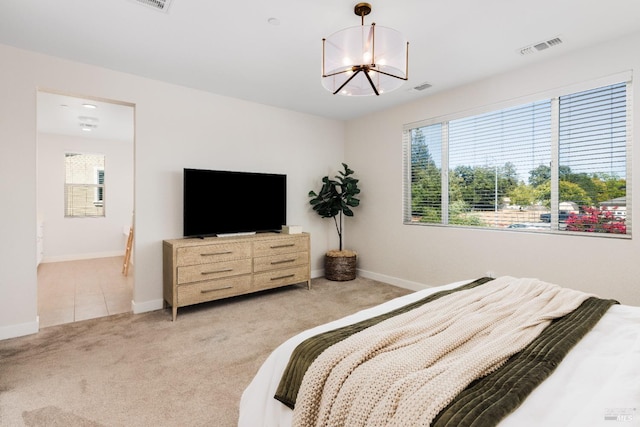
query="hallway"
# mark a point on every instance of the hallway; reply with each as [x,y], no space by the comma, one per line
[71,291]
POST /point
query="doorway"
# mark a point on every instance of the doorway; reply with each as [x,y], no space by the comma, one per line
[85,151]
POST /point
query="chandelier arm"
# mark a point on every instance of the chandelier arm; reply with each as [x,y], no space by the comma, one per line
[390,75]
[373,41]
[337,72]
[406,67]
[323,43]
[348,80]
[371,83]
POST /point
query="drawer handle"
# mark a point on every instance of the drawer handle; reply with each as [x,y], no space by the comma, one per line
[226,270]
[283,246]
[217,253]
[283,277]
[284,261]
[206,291]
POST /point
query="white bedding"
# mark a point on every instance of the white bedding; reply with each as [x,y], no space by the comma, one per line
[597,384]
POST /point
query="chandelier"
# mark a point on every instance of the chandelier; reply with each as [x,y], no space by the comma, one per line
[364,60]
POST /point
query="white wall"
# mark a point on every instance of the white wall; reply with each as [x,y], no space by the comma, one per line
[176,127]
[80,238]
[419,256]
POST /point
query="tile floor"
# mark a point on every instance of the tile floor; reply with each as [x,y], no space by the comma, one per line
[79,290]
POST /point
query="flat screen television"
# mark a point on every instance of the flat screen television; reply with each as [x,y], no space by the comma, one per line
[225,202]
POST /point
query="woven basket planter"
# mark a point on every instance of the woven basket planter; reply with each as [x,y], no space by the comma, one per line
[340,265]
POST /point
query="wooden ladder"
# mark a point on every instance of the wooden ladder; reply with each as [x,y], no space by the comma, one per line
[127,253]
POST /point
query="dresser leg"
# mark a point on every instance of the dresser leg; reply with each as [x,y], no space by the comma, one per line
[174,309]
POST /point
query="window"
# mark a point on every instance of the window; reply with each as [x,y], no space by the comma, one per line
[498,169]
[84,189]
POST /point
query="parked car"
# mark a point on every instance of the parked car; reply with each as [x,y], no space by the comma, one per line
[619,215]
[562,216]
[530,225]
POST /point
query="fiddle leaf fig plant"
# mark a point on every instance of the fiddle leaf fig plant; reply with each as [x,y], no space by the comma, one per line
[336,197]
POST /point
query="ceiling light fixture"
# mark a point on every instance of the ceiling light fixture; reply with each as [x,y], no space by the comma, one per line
[90,106]
[364,60]
[88,127]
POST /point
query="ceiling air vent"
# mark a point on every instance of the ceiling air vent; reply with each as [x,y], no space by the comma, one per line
[422,86]
[160,5]
[527,50]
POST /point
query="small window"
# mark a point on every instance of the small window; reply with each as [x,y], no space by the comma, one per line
[84,189]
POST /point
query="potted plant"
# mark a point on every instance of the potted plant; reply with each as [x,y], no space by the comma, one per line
[336,198]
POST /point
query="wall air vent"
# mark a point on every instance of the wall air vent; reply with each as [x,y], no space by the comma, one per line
[537,47]
[160,5]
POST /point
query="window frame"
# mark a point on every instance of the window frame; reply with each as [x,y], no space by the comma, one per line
[552,95]
[98,197]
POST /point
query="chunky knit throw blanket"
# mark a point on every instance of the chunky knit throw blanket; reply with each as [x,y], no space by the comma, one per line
[405,370]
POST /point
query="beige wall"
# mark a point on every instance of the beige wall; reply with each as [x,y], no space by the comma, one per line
[419,256]
[176,127]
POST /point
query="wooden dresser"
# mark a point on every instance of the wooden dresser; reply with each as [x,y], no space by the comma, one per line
[199,270]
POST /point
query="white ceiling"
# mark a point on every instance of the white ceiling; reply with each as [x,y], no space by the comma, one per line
[230,48]
[67,115]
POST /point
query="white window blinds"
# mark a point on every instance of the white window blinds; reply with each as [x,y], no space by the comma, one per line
[592,153]
[425,173]
[490,156]
[558,164]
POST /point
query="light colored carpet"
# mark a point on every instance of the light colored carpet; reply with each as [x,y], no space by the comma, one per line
[144,370]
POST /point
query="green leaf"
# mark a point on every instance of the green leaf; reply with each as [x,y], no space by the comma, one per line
[336,197]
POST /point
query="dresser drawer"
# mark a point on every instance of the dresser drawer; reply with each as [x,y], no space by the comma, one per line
[276,278]
[213,289]
[214,270]
[203,254]
[280,261]
[280,246]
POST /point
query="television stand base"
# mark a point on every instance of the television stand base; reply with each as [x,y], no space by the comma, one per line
[243,233]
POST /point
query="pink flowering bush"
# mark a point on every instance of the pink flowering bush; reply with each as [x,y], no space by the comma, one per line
[596,221]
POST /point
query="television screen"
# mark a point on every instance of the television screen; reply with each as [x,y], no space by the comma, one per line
[225,202]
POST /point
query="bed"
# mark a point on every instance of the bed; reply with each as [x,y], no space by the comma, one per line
[595,381]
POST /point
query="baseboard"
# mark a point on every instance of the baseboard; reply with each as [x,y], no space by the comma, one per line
[14,331]
[76,257]
[143,307]
[414,286]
